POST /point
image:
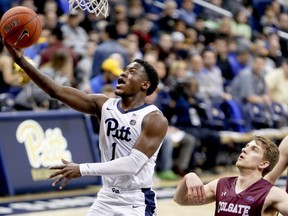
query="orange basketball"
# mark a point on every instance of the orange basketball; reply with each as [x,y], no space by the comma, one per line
[20,27]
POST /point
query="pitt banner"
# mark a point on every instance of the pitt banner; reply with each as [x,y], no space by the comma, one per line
[31,142]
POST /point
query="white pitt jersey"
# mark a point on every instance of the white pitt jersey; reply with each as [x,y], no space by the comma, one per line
[119,131]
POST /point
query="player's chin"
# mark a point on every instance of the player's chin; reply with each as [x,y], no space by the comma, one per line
[118,92]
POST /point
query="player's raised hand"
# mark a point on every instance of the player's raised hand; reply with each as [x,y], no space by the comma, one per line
[65,173]
[195,186]
[16,53]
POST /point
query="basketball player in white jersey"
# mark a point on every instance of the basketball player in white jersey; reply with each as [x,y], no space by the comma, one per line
[131,133]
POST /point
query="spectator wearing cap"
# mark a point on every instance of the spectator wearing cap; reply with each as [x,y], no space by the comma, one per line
[110,70]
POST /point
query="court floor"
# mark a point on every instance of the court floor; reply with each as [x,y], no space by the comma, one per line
[166,207]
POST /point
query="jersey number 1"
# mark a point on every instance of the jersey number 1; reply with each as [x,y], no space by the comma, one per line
[113,150]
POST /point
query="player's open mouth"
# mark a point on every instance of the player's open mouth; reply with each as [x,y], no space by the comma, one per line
[121,81]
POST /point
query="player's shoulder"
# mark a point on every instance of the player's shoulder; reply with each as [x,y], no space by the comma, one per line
[155,118]
[156,115]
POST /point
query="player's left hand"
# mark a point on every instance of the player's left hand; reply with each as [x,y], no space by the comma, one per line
[66,172]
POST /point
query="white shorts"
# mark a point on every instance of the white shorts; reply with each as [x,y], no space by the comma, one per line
[119,202]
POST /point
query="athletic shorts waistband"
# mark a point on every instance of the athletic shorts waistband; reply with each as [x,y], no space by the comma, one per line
[118,190]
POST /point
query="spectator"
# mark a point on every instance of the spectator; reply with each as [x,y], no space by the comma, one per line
[205,35]
[283,26]
[142,29]
[240,26]
[9,80]
[179,46]
[164,47]
[55,42]
[120,13]
[249,86]
[135,11]
[51,20]
[225,27]
[240,60]
[277,82]
[186,144]
[110,71]
[75,37]
[84,67]
[177,72]
[221,48]
[250,91]
[274,50]
[186,12]
[210,79]
[167,21]
[259,48]
[122,29]
[182,113]
[269,19]
[108,46]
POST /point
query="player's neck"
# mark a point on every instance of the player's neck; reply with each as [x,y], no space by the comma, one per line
[129,103]
[246,179]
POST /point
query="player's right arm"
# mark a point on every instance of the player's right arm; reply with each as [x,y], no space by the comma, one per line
[74,98]
[282,163]
[191,191]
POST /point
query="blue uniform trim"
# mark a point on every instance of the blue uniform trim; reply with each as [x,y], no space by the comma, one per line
[149,201]
[131,110]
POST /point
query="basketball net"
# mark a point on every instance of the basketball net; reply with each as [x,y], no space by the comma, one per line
[92,6]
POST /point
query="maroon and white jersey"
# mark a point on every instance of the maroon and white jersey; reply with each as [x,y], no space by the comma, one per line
[246,203]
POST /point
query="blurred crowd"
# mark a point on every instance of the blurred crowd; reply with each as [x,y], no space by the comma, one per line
[218,71]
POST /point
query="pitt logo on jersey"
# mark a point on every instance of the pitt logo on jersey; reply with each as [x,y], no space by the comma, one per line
[113,129]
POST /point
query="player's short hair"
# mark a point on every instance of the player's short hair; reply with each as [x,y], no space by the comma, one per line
[151,73]
[271,152]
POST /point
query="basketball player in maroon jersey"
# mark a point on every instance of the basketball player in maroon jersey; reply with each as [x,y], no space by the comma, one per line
[247,194]
[281,165]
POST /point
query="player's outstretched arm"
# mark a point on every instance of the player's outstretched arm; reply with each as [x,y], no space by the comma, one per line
[277,199]
[282,163]
[72,97]
[192,191]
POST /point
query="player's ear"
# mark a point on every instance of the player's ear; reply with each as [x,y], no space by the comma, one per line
[264,164]
[146,85]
